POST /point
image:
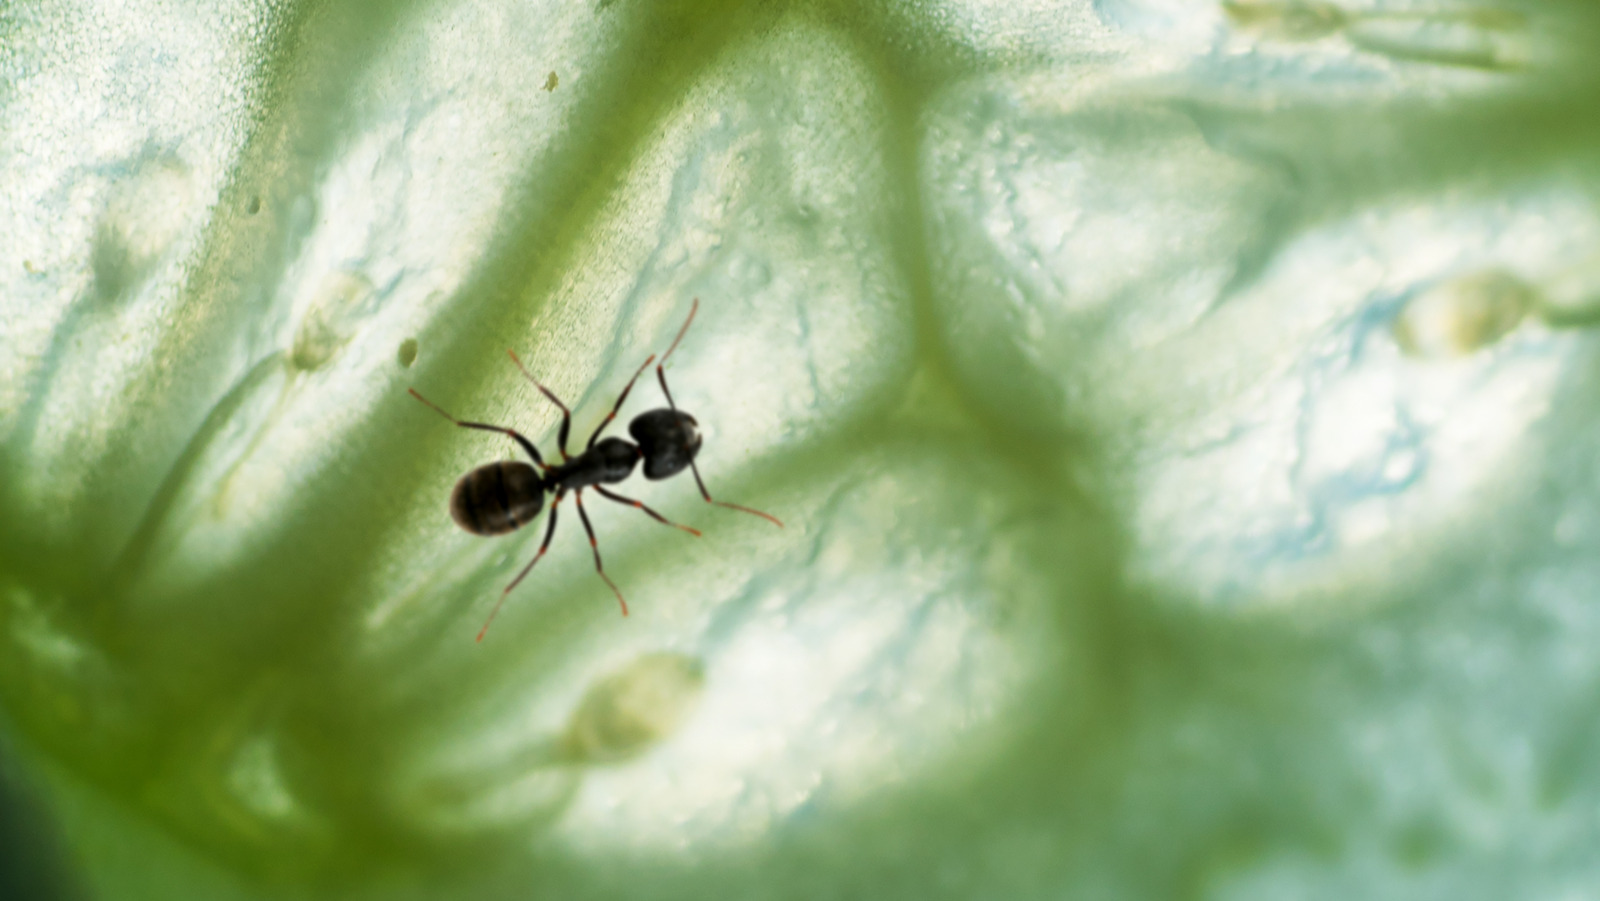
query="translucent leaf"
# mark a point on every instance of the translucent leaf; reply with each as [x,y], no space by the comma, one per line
[1178,414]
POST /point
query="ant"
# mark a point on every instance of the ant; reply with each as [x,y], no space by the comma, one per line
[505,496]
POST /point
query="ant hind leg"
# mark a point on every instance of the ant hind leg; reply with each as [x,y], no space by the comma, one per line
[549,533]
[566,414]
[513,434]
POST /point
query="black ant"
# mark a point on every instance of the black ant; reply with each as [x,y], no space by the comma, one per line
[502,497]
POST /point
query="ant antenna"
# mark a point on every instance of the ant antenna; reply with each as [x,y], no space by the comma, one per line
[661,374]
[707,495]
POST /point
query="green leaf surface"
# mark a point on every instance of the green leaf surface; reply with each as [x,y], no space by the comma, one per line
[1181,417]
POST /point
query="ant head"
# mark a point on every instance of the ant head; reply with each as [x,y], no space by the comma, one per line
[669,440]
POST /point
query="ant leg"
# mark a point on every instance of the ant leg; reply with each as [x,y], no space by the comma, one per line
[577,498]
[661,374]
[566,415]
[549,532]
[707,495]
[618,405]
[510,433]
[657,516]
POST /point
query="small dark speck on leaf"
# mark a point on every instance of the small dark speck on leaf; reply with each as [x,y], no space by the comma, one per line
[551,82]
[254,206]
[408,352]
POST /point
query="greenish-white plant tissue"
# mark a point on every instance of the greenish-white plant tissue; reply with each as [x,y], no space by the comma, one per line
[1182,415]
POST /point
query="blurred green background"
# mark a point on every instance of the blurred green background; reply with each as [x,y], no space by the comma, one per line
[1181,414]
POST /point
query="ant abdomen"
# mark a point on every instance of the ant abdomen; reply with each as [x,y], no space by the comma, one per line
[497,498]
[669,440]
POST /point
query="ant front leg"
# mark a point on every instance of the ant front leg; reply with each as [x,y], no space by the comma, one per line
[566,415]
[577,498]
[618,405]
[510,433]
